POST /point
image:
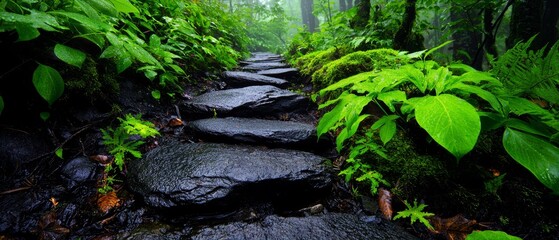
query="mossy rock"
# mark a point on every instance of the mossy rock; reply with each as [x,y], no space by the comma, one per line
[92,82]
[313,61]
[354,63]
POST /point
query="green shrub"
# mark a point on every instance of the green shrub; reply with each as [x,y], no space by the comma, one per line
[311,62]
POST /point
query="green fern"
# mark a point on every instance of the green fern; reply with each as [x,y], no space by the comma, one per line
[415,213]
[528,73]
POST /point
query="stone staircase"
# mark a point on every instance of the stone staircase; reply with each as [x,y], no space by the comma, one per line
[251,164]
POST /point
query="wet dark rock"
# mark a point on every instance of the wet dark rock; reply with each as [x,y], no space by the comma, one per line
[152,231]
[20,211]
[255,131]
[18,148]
[289,74]
[214,176]
[79,171]
[328,226]
[245,79]
[251,101]
[258,66]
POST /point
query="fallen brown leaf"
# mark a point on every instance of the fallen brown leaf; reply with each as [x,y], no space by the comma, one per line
[454,228]
[385,203]
[175,122]
[103,159]
[108,201]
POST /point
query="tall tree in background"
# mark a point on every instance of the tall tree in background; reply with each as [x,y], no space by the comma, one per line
[343,5]
[361,19]
[309,19]
[467,34]
[405,38]
[525,20]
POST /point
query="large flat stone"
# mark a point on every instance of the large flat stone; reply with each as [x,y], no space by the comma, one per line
[244,79]
[331,226]
[215,176]
[248,101]
[255,131]
[263,57]
[283,73]
[258,66]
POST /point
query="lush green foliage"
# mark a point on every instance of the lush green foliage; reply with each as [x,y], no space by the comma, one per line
[490,235]
[415,213]
[122,144]
[445,103]
[167,41]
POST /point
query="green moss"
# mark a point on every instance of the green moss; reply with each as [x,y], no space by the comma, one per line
[90,82]
[354,63]
[310,63]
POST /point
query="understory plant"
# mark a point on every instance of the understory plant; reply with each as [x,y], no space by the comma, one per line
[124,143]
[453,104]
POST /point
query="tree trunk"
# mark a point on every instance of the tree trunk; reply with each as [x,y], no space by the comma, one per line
[349,4]
[309,20]
[525,21]
[343,6]
[488,29]
[361,19]
[467,35]
[549,23]
[405,38]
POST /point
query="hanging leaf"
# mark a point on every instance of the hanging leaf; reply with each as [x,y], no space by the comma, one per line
[26,32]
[69,55]
[540,157]
[124,6]
[48,83]
[450,121]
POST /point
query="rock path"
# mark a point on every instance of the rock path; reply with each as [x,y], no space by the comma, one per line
[248,162]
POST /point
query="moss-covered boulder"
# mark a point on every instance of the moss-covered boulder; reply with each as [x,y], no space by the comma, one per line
[311,62]
[354,63]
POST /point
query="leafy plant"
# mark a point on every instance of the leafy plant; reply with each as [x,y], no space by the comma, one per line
[415,213]
[122,144]
[491,235]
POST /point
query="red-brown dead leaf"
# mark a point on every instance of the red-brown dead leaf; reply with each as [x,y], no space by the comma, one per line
[385,203]
[175,122]
[454,228]
[108,201]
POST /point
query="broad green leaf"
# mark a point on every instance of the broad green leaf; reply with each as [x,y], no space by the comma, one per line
[490,235]
[104,6]
[69,55]
[386,126]
[25,32]
[1,105]
[90,23]
[124,6]
[88,9]
[331,118]
[450,121]
[123,63]
[483,94]
[48,83]
[347,81]
[390,97]
[540,157]
[154,41]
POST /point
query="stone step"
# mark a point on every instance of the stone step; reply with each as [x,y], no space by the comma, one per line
[216,177]
[237,79]
[272,133]
[250,101]
[337,226]
[259,66]
[289,74]
[263,57]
